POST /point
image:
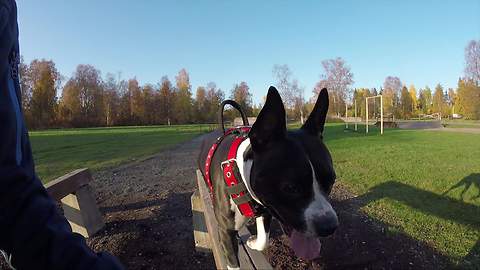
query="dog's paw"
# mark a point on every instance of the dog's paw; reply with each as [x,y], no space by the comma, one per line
[232,268]
[256,244]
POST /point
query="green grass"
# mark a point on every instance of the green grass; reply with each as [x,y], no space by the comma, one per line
[60,151]
[460,123]
[401,177]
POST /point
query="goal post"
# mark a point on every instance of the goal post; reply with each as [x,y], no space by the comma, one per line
[355,122]
[381,112]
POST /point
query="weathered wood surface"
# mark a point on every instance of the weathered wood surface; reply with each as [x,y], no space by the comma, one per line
[200,231]
[249,259]
[68,183]
[212,227]
[78,202]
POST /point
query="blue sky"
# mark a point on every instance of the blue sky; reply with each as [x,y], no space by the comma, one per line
[422,42]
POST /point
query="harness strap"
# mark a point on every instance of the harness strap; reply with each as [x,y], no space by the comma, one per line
[242,199]
[236,189]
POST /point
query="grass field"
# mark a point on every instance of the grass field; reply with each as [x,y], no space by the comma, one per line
[460,123]
[58,152]
[401,176]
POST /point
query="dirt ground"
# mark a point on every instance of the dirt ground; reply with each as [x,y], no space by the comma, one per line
[149,223]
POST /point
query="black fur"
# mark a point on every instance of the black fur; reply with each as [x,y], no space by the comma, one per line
[281,175]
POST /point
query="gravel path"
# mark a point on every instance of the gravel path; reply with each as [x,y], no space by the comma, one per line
[147,211]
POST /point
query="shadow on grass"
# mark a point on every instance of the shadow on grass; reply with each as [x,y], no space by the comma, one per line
[433,204]
[471,180]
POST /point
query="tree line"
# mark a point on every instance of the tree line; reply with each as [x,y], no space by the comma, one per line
[87,99]
[400,101]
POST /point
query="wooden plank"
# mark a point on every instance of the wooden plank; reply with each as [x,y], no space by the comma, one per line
[256,257]
[220,260]
[200,231]
[248,258]
[68,183]
[244,259]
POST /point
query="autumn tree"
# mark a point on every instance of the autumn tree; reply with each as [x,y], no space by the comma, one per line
[337,78]
[183,98]
[43,83]
[391,92]
[111,100]
[359,96]
[241,94]
[214,97]
[137,103]
[406,103]
[150,110]
[125,112]
[82,98]
[452,97]
[201,106]
[438,101]
[468,99]
[166,100]
[26,86]
[413,95]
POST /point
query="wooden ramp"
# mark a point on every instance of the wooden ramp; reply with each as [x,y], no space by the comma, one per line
[205,230]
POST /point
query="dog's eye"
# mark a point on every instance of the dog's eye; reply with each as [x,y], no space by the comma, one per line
[290,188]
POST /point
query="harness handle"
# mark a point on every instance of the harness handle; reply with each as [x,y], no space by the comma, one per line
[235,105]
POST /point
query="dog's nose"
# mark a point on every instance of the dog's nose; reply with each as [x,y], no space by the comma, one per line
[327,224]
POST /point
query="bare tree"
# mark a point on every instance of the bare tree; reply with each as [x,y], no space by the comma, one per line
[290,90]
[337,78]
[282,75]
[472,61]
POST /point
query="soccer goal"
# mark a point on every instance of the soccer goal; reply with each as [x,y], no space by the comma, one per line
[353,119]
[381,112]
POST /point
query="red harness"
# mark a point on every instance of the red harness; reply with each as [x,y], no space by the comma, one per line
[236,189]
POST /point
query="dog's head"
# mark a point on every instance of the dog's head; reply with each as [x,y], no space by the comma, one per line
[292,173]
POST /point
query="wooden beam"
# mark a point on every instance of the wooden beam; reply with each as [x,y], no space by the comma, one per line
[68,183]
[256,257]
[200,231]
[220,260]
[248,258]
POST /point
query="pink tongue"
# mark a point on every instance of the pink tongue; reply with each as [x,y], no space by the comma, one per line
[305,247]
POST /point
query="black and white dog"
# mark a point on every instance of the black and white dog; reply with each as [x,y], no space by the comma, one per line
[290,173]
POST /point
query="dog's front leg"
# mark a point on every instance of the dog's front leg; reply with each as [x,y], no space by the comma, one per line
[260,241]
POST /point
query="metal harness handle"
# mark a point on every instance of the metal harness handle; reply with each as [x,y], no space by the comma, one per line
[235,105]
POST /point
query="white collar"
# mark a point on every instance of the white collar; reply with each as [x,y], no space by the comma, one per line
[245,167]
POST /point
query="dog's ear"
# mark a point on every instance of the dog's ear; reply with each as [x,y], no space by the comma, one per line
[270,124]
[316,121]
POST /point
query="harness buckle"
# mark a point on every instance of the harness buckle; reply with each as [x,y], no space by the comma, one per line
[226,162]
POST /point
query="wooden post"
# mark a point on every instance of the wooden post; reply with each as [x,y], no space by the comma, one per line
[355,115]
[366,121]
[81,211]
[346,115]
[200,232]
[381,114]
[78,203]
